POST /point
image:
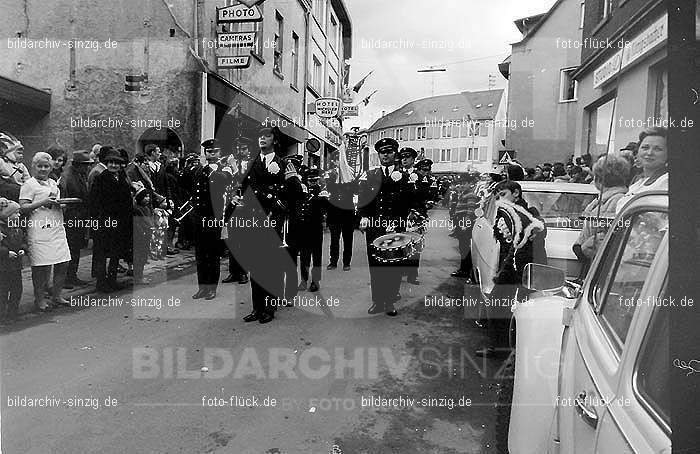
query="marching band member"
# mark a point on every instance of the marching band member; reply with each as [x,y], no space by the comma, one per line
[408,158]
[341,209]
[236,165]
[308,220]
[269,186]
[295,236]
[209,184]
[386,197]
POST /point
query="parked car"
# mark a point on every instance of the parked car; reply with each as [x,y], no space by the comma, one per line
[560,205]
[592,361]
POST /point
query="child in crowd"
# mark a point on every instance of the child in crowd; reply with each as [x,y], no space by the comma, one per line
[13,247]
[143,233]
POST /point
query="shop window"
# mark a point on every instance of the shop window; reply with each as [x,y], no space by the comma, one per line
[568,86]
[660,80]
[601,126]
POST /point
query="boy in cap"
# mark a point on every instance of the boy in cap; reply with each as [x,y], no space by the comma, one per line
[13,245]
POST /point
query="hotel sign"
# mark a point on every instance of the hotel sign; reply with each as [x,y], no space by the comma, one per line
[632,51]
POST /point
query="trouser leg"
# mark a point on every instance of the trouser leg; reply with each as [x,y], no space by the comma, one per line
[59,278]
[348,230]
[316,253]
[40,277]
[335,227]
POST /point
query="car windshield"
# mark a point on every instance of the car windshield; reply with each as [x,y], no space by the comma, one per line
[559,209]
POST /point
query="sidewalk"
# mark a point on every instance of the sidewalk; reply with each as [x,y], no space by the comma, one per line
[155,270]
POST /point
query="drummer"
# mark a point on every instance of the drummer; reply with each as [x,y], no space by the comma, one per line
[386,197]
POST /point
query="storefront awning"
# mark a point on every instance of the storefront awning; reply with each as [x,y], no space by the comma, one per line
[222,92]
[17,93]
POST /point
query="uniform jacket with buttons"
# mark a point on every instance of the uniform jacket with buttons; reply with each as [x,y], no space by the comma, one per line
[385,198]
[208,187]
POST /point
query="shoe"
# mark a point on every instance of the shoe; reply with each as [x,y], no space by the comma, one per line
[265,318]
[486,352]
[210,295]
[229,279]
[79,282]
[375,309]
[68,285]
[200,294]
[243,279]
[331,267]
[116,286]
[43,308]
[413,281]
[103,288]
[459,273]
[392,313]
[346,267]
[251,317]
[60,301]
[302,285]
[314,286]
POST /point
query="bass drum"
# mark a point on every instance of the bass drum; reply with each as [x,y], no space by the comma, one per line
[393,248]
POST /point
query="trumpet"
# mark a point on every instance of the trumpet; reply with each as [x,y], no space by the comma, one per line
[184,211]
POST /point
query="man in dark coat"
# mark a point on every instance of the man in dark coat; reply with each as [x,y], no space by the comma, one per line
[308,221]
[386,198]
[341,216]
[111,208]
[209,185]
[270,186]
[73,184]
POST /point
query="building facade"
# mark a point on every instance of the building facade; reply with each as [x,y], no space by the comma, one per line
[459,133]
[542,94]
[128,73]
[622,79]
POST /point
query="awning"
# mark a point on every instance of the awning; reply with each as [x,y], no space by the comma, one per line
[220,91]
[24,95]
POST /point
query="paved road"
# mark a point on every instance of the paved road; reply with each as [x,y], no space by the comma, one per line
[321,365]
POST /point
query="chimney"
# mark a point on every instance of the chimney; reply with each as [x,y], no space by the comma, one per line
[383,113]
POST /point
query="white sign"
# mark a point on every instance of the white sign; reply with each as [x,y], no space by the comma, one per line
[654,35]
[237,62]
[351,111]
[238,13]
[328,107]
[241,39]
[632,51]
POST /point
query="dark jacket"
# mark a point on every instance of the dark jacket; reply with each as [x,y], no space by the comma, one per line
[110,203]
[143,232]
[208,190]
[74,184]
[383,199]
[13,239]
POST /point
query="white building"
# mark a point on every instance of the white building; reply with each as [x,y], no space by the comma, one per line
[459,132]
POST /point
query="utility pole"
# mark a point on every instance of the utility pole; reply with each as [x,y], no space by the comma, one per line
[432,70]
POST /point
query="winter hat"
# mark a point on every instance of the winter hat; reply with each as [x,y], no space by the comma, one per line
[7,208]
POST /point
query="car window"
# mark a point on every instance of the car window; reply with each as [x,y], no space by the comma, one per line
[559,209]
[623,292]
[652,377]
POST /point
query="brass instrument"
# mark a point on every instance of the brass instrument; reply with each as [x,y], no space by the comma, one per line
[184,211]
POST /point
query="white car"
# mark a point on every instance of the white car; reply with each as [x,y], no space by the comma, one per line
[592,361]
[559,204]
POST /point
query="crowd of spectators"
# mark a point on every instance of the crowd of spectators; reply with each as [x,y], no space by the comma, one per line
[126,203]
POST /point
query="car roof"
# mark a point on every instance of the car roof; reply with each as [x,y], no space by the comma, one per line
[649,199]
[559,186]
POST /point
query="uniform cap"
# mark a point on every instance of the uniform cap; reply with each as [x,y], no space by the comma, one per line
[407,152]
[424,163]
[386,145]
[211,144]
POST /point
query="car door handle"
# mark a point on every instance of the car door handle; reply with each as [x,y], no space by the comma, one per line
[586,411]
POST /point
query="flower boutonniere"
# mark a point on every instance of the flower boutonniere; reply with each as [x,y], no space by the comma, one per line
[396,175]
[273,168]
[413,178]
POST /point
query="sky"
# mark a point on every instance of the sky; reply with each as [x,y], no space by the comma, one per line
[395,38]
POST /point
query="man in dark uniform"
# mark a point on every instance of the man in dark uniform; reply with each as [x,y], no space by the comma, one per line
[426,185]
[308,218]
[268,188]
[408,157]
[294,238]
[341,215]
[209,185]
[386,198]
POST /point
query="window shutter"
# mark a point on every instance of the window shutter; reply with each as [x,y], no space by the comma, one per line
[482,153]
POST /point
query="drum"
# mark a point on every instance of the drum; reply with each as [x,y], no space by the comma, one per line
[418,242]
[394,247]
